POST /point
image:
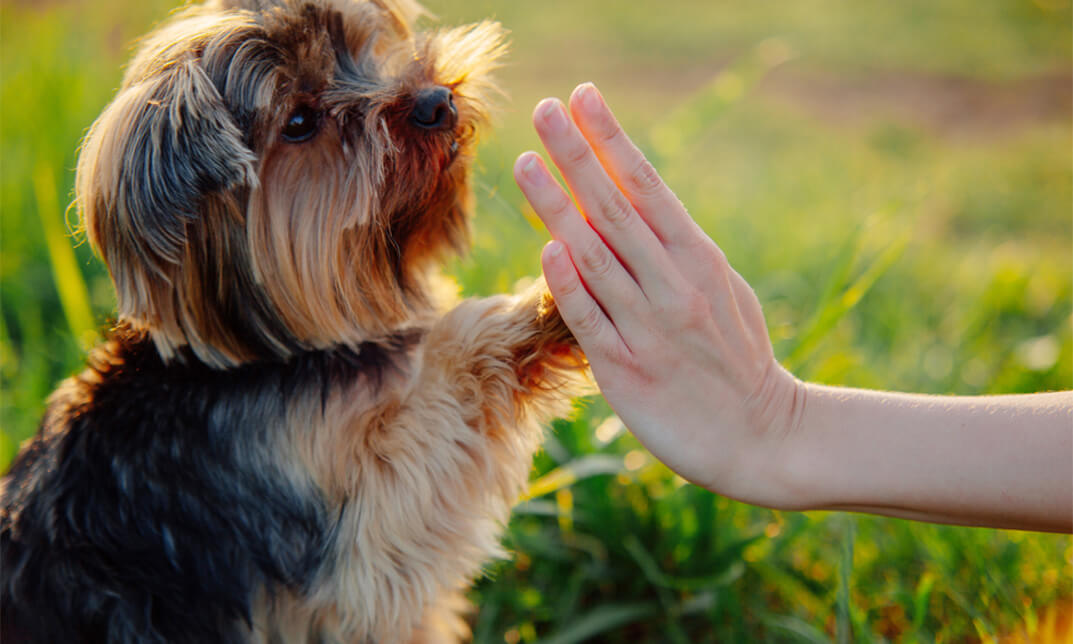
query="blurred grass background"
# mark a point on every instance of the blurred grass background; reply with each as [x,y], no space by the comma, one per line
[894,178]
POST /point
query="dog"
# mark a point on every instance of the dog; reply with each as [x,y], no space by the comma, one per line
[294,431]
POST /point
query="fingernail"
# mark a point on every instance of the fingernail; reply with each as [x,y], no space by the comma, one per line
[591,100]
[531,170]
[553,249]
[553,116]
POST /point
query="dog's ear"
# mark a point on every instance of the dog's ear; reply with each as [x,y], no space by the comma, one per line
[164,144]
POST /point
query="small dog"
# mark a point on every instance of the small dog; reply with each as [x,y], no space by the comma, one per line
[291,435]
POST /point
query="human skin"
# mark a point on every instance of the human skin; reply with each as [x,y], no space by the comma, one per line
[679,347]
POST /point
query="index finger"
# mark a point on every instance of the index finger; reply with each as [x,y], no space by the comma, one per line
[630,170]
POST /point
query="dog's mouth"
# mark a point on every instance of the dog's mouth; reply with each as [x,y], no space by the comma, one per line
[452,153]
[462,139]
[454,146]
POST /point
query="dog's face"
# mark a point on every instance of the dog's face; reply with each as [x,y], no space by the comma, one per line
[282,175]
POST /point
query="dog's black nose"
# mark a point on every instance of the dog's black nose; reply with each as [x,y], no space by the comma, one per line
[434,109]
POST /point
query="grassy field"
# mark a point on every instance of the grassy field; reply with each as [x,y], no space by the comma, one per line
[894,179]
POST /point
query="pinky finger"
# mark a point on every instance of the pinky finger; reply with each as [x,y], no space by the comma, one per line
[593,330]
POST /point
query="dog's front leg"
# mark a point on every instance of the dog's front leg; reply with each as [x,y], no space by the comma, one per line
[509,360]
[501,367]
[427,474]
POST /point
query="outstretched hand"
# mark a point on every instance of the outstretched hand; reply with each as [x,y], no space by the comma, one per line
[678,345]
[676,338]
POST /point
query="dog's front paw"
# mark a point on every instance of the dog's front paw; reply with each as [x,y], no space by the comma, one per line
[550,325]
[552,347]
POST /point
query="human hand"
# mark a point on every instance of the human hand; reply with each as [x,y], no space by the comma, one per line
[676,338]
[678,345]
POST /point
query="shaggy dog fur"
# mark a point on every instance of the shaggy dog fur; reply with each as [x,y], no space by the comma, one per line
[291,435]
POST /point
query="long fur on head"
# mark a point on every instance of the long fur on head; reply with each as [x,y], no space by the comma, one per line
[221,236]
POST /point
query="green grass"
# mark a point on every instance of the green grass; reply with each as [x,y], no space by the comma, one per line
[889,251]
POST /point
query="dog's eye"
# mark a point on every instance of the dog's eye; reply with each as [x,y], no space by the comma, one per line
[301,125]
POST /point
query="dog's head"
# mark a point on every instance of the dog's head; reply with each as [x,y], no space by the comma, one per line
[282,175]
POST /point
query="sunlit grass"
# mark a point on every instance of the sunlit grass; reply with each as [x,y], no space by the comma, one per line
[887,253]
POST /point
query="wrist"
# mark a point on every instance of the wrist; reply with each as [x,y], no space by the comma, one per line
[795,460]
[789,482]
[766,468]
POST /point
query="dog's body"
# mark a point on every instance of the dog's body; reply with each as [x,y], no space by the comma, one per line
[289,436]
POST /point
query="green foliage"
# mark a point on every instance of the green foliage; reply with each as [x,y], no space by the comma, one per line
[890,249]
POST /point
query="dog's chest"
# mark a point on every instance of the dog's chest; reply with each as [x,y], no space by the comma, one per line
[418,496]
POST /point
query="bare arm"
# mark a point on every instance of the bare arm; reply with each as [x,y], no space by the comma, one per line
[678,344]
[999,461]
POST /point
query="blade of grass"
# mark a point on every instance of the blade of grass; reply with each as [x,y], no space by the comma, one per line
[725,576]
[493,195]
[843,620]
[659,580]
[799,629]
[485,626]
[779,578]
[74,296]
[602,619]
[921,599]
[689,120]
[837,308]
[567,475]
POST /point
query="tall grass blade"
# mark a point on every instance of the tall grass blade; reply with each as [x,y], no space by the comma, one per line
[74,296]
[723,577]
[567,475]
[692,117]
[799,629]
[921,599]
[492,194]
[834,309]
[843,621]
[602,619]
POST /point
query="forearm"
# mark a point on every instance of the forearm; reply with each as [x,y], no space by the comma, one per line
[999,461]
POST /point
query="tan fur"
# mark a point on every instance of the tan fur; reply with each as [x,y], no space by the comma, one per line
[424,474]
[334,242]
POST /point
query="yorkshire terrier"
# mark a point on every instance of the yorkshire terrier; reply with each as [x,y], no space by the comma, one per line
[291,434]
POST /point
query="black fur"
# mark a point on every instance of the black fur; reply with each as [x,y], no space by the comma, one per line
[149,507]
[188,145]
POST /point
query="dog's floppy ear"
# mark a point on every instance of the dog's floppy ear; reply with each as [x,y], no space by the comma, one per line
[156,151]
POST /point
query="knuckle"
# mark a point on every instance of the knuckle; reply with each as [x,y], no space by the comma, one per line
[615,208]
[710,256]
[650,348]
[647,375]
[694,310]
[590,322]
[597,260]
[567,288]
[645,180]
[577,153]
[621,357]
[608,131]
[689,235]
[718,259]
[559,205]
